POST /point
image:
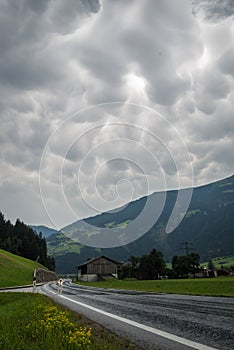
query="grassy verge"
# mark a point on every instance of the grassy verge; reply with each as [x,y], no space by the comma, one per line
[15,270]
[34,322]
[220,286]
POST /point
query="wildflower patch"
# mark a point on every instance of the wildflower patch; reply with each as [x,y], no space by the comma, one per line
[52,324]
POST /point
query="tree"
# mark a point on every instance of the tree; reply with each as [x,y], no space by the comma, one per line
[211,265]
[125,271]
[134,264]
[185,264]
[20,239]
[180,266]
[194,263]
[151,266]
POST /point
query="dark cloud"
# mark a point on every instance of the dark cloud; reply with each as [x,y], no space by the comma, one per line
[213,10]
[91,5]
[28,30]
[37,6]
[58,59]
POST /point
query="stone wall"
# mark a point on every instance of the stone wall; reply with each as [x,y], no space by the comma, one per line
[45,275]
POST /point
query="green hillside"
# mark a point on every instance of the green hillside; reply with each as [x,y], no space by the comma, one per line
[15,270]
[221,262]
[207,226]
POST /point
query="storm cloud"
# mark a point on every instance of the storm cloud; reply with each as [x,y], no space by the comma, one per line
[102,102]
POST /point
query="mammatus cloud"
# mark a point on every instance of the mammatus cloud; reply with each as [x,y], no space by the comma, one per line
[60,61]
[213,10]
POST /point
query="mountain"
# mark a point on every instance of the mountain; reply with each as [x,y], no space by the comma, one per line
[46,231]
[208,229]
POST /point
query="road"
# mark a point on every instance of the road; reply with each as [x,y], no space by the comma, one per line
[24,289]
[154,321]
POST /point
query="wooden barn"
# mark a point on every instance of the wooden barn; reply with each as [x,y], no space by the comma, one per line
[97,269]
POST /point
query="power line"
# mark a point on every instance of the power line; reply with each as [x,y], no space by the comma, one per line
[187,247]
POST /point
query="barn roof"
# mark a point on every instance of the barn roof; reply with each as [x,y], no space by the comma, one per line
[98,257]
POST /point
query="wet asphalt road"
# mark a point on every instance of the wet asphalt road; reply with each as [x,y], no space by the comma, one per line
[207,322]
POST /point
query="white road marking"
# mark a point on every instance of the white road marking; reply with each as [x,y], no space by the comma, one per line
[163,334]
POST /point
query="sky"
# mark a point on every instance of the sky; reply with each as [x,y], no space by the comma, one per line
[103,102]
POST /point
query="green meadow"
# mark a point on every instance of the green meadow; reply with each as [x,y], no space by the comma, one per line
[219,286]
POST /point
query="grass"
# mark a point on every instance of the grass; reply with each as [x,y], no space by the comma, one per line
[220,286]
[34,322]
[69,247]
[15,270]
[225,262]
[113,224]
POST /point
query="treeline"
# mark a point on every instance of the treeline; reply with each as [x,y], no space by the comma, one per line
[20,239]
[153,266]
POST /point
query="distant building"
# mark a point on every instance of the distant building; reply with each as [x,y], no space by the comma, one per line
[97,269]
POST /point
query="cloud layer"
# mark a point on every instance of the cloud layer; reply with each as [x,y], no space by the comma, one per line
[63,68]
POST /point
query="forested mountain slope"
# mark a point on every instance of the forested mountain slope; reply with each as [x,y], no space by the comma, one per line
[208,227]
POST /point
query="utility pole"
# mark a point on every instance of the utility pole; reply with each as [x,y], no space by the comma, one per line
[186,247]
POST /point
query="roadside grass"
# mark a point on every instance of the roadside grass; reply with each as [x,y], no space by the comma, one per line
[15,270]
[34,322]
[219,286]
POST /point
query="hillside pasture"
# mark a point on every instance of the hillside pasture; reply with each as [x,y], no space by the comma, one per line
[15,270]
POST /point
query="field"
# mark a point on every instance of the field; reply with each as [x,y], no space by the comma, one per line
[220,286]
[33,322]
[221,262]
[15,270]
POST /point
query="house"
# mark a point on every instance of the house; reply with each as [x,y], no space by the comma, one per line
[97,269]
